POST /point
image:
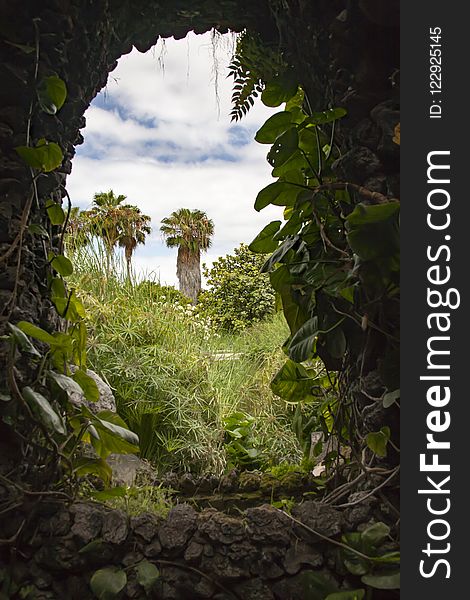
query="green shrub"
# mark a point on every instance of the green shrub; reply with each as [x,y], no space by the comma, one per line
[162,293]
[239,294]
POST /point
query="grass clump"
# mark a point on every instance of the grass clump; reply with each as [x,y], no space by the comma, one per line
[176,380]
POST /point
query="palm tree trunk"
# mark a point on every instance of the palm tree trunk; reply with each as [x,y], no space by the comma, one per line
[188,271]
[128,256]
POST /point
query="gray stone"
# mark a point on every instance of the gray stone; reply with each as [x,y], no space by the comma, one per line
[387,117]
[193,552]
[357,165]
[146,526]
[58,524]
[88,520]
[59,555]
[115,527]
[221,528]
[187,484]
[179,526]
[127,468]
[254,589]
[300,554]
[132,558]
[204,588]
[106,400]
[153,549]
[319,517]
[268,525]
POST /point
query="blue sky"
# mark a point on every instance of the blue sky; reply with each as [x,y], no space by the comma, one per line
[162,136]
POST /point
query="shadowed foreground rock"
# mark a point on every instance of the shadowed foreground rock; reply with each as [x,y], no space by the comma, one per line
[261,554]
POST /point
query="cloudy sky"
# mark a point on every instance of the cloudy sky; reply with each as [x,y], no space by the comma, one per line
[160,133]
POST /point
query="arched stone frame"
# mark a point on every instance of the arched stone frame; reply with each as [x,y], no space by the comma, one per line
[345,51]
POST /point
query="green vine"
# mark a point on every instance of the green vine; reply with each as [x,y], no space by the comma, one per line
[334,263]
[40,407]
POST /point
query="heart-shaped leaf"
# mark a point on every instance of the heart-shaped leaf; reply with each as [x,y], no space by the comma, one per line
[107,583]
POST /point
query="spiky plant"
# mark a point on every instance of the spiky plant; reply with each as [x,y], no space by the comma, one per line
[190,231]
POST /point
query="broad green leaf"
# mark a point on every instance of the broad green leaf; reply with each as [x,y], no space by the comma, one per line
[93,466]
[390,398]
[52,93]
[147,575]
[296,101]
[23,342]
[61,264]
[87,384]
[264,242]
[292,382]
[315,586]
[113,435]
[379,241]
[389,558]
[302,343]
[326,116]
[58,288]
[292,227]
[37,229]
[110,493]
[336,342]
[125,434]
[44,410]
[376,534]
[356,565]
[45,156]
[70,308]
[36,332]
[387,581]
[279,90]
[284,147]
[347,595]
[279,254]
[107,583]
[294,313]
[54,212]
[95,546]
[273,127]
[280,278]
[348,293]
[65,383]
[278,193]
[377,441]
[364,214]
[296,163]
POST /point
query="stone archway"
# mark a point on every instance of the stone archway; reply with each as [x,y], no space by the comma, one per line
[346,53]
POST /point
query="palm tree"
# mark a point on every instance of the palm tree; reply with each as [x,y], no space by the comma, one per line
[116,224]
[190,231]
[104,218]
[134,227]
[77,233]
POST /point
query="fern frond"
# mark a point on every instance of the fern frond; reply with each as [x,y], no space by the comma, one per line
[252,65]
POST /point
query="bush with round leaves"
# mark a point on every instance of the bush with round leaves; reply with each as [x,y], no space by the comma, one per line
[239,294]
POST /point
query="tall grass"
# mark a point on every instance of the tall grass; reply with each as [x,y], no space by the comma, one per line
[162,362]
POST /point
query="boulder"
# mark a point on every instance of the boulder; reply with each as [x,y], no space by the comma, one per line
[106,400]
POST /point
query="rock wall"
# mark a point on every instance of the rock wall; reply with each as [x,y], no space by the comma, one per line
[261,554]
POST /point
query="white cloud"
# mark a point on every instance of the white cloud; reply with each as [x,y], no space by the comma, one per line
[157,138]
